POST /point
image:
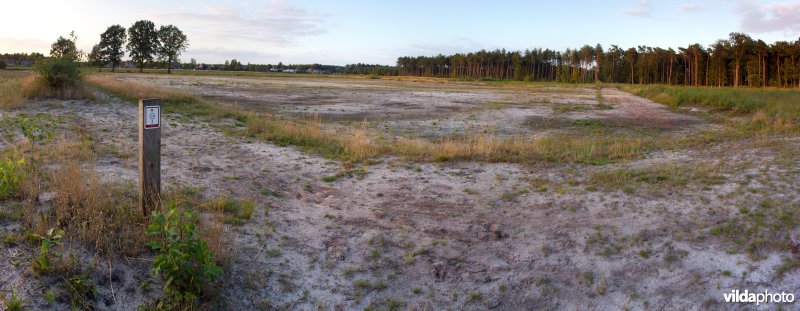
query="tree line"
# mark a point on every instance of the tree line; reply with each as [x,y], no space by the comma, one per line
[143,42]
[19,58]
[736,61]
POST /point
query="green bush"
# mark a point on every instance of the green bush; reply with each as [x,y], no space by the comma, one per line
[10,176]
[3,64]
[59,72]
[184,262]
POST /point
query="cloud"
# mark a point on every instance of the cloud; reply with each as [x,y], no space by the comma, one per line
[692,7]
[275,24]
[642,8]
[761,18]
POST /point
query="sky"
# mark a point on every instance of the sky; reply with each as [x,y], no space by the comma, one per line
[377,32]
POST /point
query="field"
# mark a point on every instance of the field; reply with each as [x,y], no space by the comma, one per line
[343,193]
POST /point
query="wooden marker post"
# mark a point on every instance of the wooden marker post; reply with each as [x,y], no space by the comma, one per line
[149,154]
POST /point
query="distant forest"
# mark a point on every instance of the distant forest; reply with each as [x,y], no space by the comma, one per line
[736,61]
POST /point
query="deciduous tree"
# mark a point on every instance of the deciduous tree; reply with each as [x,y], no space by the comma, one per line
[142,42]
[112,43]
[173,42]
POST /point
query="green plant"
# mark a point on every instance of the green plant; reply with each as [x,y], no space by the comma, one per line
[184,262]
[10,175]
[15,302]
[246,211]
[59,72]
[3,64]
[81,291]
[50,296]
[37,128]
[52,238]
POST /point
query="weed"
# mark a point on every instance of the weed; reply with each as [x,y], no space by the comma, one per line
[789,263]
[362,284]
[474,297]
[81,291]
[359,172]
[183,261]
[272,252]
[52,238]
[267,192]
[753,231]
[15,302]
[10,175]
[50,296]
[246,210]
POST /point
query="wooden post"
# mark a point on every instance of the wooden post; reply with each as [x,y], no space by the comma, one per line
[149,155]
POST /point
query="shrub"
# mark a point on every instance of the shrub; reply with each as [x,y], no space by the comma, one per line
[10,175]
[2,64]
[59,72]
[184,262]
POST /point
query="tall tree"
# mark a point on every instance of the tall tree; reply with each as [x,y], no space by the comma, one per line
[740,44]
[173,42]
[112,43]
[142,42]
[64,47]
[97,57]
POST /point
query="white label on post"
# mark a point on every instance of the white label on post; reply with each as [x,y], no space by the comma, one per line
[152,117]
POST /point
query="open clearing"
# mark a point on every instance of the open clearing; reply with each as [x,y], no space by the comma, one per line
[653,233]
[433,109]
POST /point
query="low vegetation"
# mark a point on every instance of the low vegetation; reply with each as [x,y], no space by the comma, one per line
[41,168]
[183,261]
[768,109]
[314,135]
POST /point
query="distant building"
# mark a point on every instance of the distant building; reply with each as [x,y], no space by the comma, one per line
[290,70]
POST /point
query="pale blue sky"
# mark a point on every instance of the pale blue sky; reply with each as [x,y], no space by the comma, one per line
[350,31]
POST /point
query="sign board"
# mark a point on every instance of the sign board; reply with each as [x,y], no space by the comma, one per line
[149,155]
[152,117]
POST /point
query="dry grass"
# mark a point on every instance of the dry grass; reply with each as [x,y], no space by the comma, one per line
[591,149]
[127,89]
[17,87]
[173,100]
[357,144]
[11,95]
[101,214]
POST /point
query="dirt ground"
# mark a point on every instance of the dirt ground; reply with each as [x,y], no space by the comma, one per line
[432,109]
[458,236]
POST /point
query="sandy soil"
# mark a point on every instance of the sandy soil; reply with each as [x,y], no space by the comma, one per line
[463,236]
[431,109]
